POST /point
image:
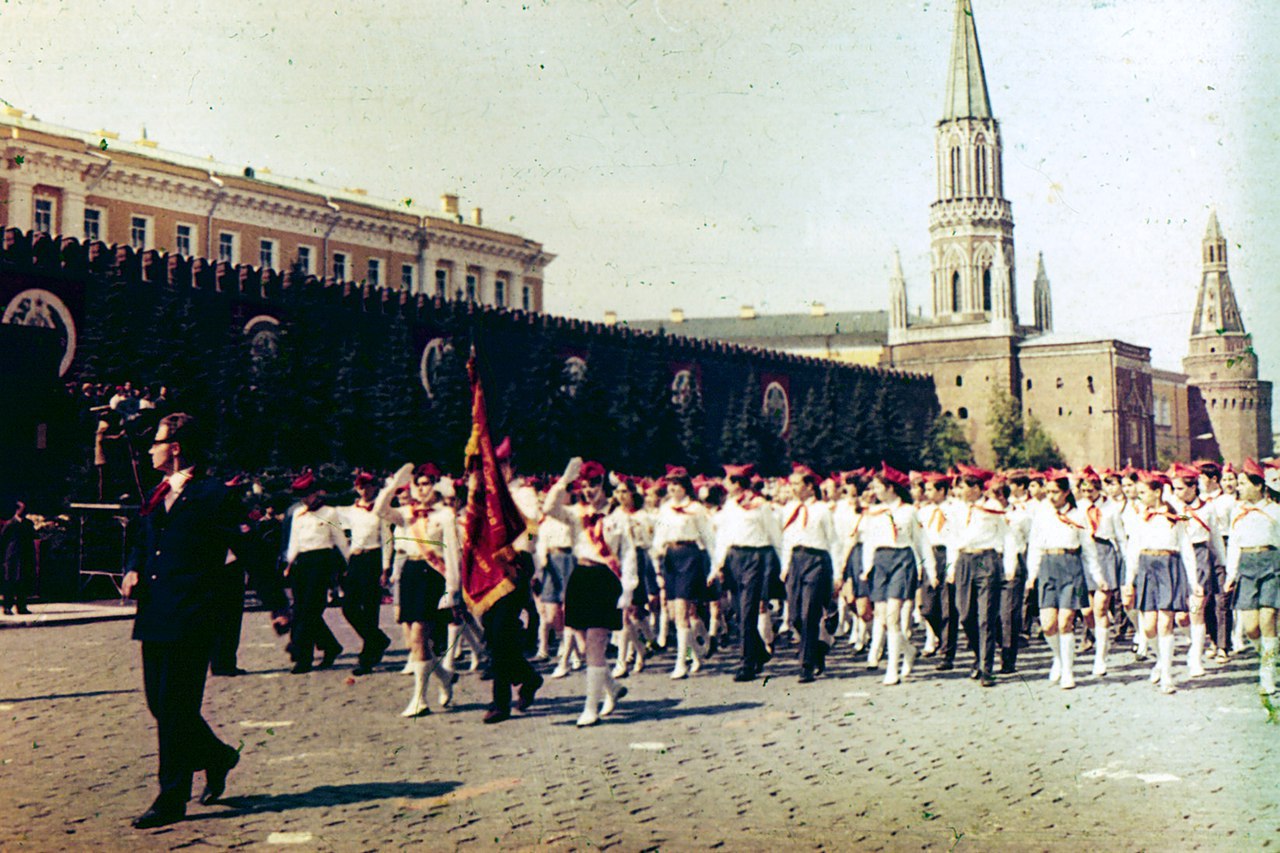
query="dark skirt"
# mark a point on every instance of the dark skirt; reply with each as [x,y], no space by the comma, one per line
[684,572]
[555,576]
[894,575]
[1160,583]
[1109,562]
[853,572]
[1258,585]
[591,599]
[1206,570]
[420,589]
[648,586]
[1061,583]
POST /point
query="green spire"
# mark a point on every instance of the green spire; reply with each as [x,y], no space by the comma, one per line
[966,82]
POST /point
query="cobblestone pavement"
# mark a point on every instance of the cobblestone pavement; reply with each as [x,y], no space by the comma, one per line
[845,763]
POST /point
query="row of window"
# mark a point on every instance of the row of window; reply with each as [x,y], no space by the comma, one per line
[268,256]
[1247,405]
[1059,383]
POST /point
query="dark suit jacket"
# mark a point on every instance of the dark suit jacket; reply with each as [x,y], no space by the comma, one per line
[180,557]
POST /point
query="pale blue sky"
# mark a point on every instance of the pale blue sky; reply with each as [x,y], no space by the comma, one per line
[710,155]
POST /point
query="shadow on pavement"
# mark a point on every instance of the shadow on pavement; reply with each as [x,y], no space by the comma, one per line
[665,709]
[327,795]
[49,696]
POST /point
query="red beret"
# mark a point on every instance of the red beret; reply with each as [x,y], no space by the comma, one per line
[1153,478]
[591,470]
[739,471]
[893,475]
[674,471]
[503,451]
[427,469]
[305,482]
[1087,473]
[1057,474]
[363,478]
[1251,466]
[1184,472]
[974,471]
[1228,469]
[937,478]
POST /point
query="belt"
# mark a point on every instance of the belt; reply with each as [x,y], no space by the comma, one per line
[1158,552]
[805,549]
[560,550]
[366,551]
[1060,551]
[750,547]
[689,543]
[1257,549]
[980,551]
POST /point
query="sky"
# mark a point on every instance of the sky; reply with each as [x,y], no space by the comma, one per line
[707,155]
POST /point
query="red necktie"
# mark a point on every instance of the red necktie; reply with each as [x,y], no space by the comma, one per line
[157,498]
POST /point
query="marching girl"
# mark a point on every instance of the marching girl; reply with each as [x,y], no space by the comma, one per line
[1061,554]
[1107,532]
[554,556]
[1253,567]
[603,581]
[1218,488]
[1206,540]
[429,579]
[626,511]
[938,603]
[1160,570]
[682,545]
[894,549]
[847,519]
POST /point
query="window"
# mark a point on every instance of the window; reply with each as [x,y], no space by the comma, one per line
[500,293]
[267,254]
[955,171]
[1059,411]
[442,283]
[1059,382]
[471,287]
[526,298]
[1089,382]
[986,290]
[44,215]
[183,239]
[963,413]
[1028,384]
[406,277]
[305,262]
[374,270]
[959,381]
[956,301]
[92,224]
[138,232]
[339,266]
[227,247]
[980,161]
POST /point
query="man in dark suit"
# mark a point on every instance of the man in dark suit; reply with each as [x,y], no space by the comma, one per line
[180,546]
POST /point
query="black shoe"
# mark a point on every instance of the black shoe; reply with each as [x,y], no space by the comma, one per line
[744,675]
[528,692]
[215,778]
[329,657]
[806,675]
[975,673]
[986,680]
[159,815]
[374,657]
[946,665]
[821,665]
[23,611]
[497,715]
[300,668]
[713,646]
[229,673]
[362,669]
[1007,669]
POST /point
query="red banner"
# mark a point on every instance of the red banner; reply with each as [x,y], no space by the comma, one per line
[493,523]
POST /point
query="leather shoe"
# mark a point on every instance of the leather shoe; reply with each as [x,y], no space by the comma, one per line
[300,668]
[986,680]
[229,673]
[946,665]
[744,675]
[159,815]
[215,778]
[806,676]
[497,715]
[528,691]
[329,657]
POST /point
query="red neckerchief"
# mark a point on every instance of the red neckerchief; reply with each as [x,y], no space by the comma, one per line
[988,510]
[939,517]
[802,508]
[593,526]
[419,511]
[857,522]
[1070,522]
[1148,514]
[366,507]
[1245,509]
[681,508]
[1095,518]
[885,509]
[157,497]
[1191,513]
[749,505]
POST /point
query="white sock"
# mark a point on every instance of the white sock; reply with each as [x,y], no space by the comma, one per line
[894,636]
[1067,650]
[1267,664]
[1165,646]
[682,647]
[877,640]
[418,698]
[1055,666]
[596,679]
[1100,639]
[1195,653]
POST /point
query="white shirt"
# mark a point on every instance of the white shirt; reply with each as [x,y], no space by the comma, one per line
[686,521]
[1203,527]
[1018,515]
[1155,531]
[367,528]
[748,522]
[981,526]
[1252,526]
[1052,530]
[935,520]
[316,530]
[808,525]
[425,534]
[847,519]
[597,538]
[177,481]
[895,525]
[525,497]
[1103,519]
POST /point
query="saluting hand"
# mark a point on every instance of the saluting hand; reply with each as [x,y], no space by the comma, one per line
[129,584]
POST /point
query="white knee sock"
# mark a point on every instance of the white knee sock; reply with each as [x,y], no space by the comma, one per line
[597,677]
[1267,664]
[894,637]
[1165,646]
[1055,665]
[877,641]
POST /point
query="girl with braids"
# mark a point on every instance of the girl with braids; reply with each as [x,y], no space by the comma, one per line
[1160,571]
[603,579]
[682,544]
[894,549]
[1253,567]
[1061,552]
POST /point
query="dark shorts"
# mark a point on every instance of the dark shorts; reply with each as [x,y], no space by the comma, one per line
[1160,583]
[648,586]
[591,600]
[853,572]
[684,572]
[1109,562]
[1061,583]
[1258,585]
[420,590]
[555,576]
[894,575]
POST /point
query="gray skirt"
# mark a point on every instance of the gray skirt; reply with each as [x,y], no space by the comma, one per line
[894,574]
[1160,583]
[1109,562]
[1061,584]
[1259,583]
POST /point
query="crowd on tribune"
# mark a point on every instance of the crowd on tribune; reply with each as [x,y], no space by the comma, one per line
[895,566]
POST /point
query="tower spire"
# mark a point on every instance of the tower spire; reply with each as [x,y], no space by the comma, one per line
[1042,298]
[966,81]
[897,297]
[1216,310]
